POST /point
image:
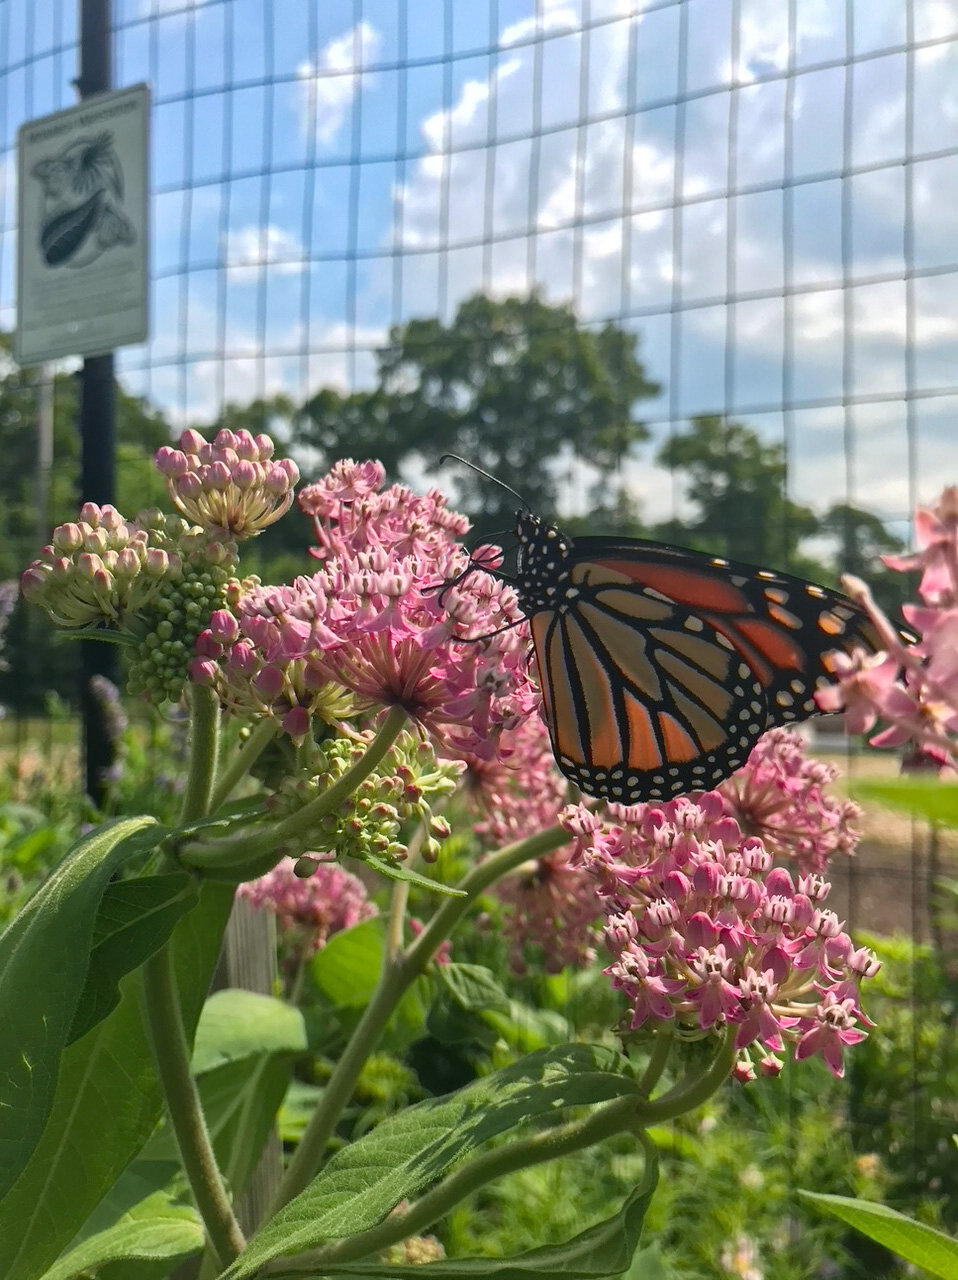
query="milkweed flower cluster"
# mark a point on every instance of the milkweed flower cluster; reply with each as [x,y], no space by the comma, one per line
[98,569]
[705,933]
[377,621]
[779,795]
[230,484]
[310,909]
[912,688]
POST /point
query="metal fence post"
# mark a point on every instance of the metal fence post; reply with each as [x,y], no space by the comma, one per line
[97,427]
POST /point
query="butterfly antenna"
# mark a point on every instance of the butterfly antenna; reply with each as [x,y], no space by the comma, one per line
[479,472]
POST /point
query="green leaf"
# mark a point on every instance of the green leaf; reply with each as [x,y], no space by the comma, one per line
[398,872]
[347,968]
[468,999]
[159,1228]
[106,1105]
[603,1250]
[243,1055]
[134,920]
[364,1182]
[238,1024]
[297,1110]
[473,987]
[525,1028]
[912,1241]
[44,955]
[347,971]
[929,798]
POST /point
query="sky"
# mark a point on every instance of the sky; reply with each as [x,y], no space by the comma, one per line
[322,170]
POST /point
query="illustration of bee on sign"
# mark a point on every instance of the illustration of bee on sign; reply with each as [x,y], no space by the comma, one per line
[82,215]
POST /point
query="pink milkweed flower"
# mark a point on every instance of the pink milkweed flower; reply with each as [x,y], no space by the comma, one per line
[862,681]
[375,623]
[703,931]
[313,908]
[936,533]
[832,1027]
[230,486]
[780,796]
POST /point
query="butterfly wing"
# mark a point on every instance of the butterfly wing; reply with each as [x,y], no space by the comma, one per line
[662,667]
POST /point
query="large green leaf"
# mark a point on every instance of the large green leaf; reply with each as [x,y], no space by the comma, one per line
[239,1024]
[134,920]
[243,1057]
[161,1227]
[106,1105]
[931,799]
[603,1250]
[913,1241]
[44,955]
[347,971]
[468,997]
[365,1181]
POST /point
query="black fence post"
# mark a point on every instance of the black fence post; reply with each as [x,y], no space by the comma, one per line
[97,429]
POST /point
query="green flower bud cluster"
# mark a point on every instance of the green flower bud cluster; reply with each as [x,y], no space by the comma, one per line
[167,629]
[376,819]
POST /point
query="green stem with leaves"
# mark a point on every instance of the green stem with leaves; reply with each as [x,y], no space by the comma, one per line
[396,977]
[604,1122]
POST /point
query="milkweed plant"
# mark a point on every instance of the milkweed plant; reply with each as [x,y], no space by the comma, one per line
[390,692]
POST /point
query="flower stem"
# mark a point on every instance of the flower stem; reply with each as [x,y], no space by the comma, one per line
[171,1052]
[237,850]
[479,879]
[615,1117]
[204,749]
[694,1089]
[661,1048]
[261,735]
[339,1088]
[396,977]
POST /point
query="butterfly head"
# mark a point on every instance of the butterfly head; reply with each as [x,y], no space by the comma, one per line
[540,562]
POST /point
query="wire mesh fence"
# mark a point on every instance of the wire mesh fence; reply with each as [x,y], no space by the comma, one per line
[758,195]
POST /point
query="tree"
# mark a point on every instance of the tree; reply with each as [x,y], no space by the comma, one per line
[862,540]
[737,484]
[510,385]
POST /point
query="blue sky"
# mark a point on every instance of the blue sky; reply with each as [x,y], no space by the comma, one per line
[279,263]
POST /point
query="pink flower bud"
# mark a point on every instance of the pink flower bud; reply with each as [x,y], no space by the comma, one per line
[188,486]
[224,439]
[33,582]
[269,683]
[127,564]
[68,538]
[171,462]
[207,646]
[242,659]
[191,441]
[90,514]
[157,563]
[265,447]
[89,565]
[246,447]
[296,722]
[244,475]
[217,477]
[223,626]
[203,671]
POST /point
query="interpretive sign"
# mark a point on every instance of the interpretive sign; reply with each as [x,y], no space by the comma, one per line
[83,206]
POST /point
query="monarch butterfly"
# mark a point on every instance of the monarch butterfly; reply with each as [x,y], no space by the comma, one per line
[661,667]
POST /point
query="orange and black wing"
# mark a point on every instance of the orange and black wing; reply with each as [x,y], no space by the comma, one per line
[663,667]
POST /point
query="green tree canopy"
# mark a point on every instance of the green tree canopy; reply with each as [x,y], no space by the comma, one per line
[509,384]
[736,482]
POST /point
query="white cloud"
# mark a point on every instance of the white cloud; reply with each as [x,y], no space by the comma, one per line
[251,250]
[330,84]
